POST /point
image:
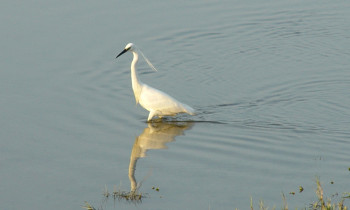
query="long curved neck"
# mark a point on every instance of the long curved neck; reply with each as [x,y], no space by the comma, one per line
[136,84]
[135,155]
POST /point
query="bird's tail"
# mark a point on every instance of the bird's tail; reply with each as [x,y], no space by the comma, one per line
[189,109]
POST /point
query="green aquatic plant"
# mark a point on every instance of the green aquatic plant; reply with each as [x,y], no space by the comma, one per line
[132,196]
[321,203]
[88,206]
[326,203]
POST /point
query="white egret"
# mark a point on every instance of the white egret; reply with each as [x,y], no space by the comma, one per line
[155,101]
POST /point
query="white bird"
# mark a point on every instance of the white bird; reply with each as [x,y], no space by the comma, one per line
[155,101]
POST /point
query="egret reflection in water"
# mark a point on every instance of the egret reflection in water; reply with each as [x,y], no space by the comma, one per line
[155,136]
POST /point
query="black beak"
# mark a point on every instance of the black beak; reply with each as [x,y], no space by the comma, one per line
[124,51]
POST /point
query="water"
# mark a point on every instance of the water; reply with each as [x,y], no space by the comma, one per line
[270,82]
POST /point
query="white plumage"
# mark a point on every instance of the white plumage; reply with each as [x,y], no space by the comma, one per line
[155,101]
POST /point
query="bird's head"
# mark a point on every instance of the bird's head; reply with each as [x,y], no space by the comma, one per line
[128,47]
[131,47]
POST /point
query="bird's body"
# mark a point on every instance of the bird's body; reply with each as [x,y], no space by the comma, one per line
[155,101]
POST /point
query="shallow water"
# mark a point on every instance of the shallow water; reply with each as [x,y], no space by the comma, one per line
[270,82]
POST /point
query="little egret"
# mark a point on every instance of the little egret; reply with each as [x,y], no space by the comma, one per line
[155,101]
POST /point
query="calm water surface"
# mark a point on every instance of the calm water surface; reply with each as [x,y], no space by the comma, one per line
[270,81]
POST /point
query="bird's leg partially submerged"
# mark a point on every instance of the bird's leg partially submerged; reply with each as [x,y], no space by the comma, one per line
[152,113]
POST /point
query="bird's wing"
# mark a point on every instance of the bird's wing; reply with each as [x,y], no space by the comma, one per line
[153,99]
